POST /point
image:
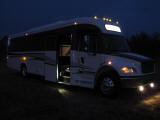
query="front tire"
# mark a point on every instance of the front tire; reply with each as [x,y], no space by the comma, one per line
[107,84]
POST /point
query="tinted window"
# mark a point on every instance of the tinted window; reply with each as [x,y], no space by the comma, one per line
[27,43]
[114,43]
[88,42]
[50,40]
[85,37]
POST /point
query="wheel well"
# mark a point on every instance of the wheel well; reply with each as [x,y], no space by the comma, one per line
[103,69]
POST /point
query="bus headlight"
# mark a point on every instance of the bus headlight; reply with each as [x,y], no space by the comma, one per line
[128,69]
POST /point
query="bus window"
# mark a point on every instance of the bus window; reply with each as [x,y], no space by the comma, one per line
[65,44]
[93,39]
[65,39]
[81,42]
[88,43]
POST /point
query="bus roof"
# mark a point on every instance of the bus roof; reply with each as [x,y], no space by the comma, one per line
[99,22]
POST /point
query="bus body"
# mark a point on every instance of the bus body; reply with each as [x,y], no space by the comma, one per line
[80,52]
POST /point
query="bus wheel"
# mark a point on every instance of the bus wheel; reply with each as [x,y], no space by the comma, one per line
[23,71]
[107,85]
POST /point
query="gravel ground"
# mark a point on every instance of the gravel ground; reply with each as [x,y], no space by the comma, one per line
[35,99]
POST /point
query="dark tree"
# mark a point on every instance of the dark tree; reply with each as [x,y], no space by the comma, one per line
[147,45]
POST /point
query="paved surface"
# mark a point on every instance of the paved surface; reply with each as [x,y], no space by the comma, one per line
[34,99]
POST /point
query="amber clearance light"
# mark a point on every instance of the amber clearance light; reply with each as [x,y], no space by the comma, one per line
[24,58]
[109,62]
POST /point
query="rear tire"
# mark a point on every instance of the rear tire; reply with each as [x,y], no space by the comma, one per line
[23,71]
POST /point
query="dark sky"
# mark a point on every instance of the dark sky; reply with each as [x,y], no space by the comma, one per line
[135,15]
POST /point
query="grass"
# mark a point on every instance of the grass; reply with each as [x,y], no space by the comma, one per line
[35,99]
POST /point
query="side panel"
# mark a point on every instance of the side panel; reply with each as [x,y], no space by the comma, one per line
[13,62]
[36,67]
[84,67]
[50,66]
[34,62]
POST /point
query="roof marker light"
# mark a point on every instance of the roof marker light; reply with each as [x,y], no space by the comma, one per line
[95,17]
[117,22]
[104,18]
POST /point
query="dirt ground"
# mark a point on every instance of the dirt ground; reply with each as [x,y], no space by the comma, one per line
[35,99]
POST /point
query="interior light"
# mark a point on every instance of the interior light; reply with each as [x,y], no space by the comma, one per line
[57,72]
[112,28]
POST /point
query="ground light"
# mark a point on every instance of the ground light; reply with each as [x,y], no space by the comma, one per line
[151,85]
[63,91]
[152,101]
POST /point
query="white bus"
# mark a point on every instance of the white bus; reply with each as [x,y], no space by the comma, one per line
[86,52]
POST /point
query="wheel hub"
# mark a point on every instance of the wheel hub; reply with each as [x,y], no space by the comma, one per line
[107,84]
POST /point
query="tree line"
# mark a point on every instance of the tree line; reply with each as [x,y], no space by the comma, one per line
[145,44]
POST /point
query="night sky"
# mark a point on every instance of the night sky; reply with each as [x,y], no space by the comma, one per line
[135,16]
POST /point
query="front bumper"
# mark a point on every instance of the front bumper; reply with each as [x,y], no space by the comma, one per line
[135,81]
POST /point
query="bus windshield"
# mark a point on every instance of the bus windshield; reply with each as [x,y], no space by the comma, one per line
[113,43]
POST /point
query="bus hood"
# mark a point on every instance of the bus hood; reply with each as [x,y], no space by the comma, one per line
[133,56]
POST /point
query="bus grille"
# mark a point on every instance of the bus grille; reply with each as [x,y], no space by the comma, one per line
[148,67]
